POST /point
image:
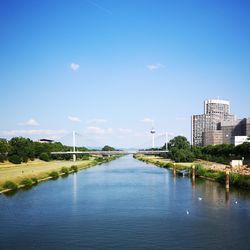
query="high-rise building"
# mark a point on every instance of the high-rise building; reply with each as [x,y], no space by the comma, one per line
[230,129]
[218,126]
[215,111]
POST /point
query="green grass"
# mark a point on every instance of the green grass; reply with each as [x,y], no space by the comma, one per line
[11,175]
[239,180]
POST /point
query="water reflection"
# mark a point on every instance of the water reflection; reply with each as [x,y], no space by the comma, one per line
[126,204]
[74,188]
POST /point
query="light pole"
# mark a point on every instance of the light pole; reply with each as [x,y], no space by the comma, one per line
[153,137]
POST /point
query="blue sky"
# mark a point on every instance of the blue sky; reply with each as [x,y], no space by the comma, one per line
[107,68]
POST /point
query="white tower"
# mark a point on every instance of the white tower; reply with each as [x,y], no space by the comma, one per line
[153,137]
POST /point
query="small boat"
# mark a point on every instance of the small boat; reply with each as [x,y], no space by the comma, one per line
[183,172]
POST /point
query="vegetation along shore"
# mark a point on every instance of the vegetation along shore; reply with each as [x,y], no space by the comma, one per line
[211,162]
[24,163]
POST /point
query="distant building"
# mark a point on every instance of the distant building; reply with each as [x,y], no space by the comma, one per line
[240,139]
[218,126]
[212,137]
[215,111]
[230,129]
[45,140]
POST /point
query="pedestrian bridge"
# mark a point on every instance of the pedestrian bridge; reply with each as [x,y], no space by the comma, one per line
[116,152]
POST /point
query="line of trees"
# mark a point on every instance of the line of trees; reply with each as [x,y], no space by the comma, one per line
[19,149]
[180,150]
[223,153]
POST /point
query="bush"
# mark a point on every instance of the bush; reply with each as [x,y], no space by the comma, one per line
[199,170]
[35,180]
[54,174]
[10,185]
[64,170]
[27,182]
[15,159]
[85,157]
[74,168]
[44,157]
[2,157]
[240,180]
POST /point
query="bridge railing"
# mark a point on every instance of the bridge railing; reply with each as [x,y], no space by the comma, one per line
[117,152]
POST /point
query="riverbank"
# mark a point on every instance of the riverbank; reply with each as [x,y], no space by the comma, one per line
[208,170]
[16,176]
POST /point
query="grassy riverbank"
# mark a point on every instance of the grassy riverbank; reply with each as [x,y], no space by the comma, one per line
[202,169]
[14,176]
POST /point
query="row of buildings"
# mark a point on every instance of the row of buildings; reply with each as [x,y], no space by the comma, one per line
[218,126]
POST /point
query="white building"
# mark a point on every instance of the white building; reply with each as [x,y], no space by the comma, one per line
[241,139]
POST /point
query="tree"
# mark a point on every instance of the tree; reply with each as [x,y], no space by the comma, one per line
[21,149]
[44,156]
[108,148]
[180,150]
[4,148]
[179,142]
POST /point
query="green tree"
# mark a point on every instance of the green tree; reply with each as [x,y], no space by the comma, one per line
[21,148]
[44,156]
[108,148]
[180,150]
[4,148]
[179,142]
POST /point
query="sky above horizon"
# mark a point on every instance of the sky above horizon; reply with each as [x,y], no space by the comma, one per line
[108,69]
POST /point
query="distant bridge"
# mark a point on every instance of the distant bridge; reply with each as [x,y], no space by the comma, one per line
[116,152]
[74,152]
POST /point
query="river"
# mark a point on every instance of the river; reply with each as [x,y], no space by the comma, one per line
[125,204]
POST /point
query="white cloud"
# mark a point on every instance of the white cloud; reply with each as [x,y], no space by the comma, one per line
[30,122]
[74,118]
[148,120]
[155,66]
[96,121]
[99,131]
[74,66]
[32,132]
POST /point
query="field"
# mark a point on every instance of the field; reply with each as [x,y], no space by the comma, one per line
[36,168]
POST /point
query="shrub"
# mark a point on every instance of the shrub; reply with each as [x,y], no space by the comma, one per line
[240,180]
[199,170]
[74,168]
[168,165]
[15,159]
[10,185]
[85,157]
[2,157]
[221,177]
[99,159]
[44,157]
[27,182]
[64,170]
[54,174]
[35,180]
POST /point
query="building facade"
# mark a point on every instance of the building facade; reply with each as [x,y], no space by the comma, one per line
[212,137]
[218,126]
[215,111]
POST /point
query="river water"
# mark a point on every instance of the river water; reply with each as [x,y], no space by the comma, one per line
[125,204]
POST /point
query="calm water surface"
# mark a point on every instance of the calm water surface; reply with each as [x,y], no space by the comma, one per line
[125,204]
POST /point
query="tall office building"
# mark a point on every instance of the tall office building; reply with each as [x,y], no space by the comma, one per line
[215,111]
